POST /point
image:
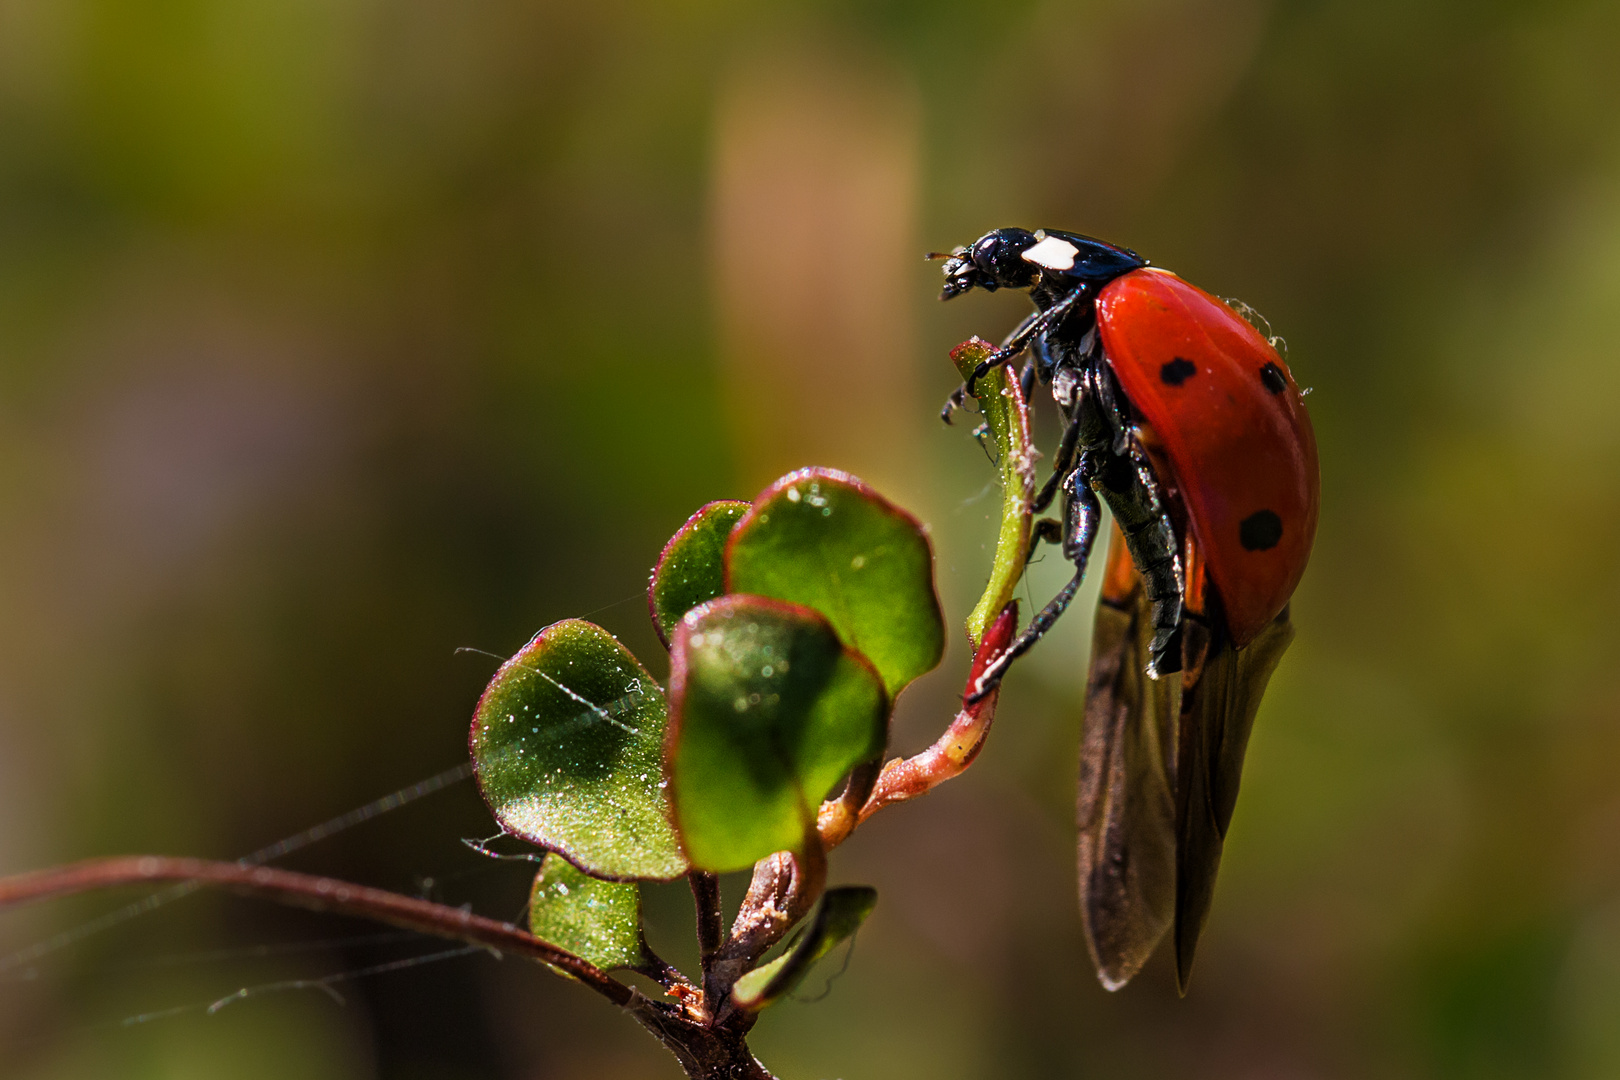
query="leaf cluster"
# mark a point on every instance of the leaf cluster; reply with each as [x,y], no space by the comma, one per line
[793,622]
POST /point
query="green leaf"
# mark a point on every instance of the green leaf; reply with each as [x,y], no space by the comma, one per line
[568,742]
[1002,401]
[841,913]
[692,568]
[599,921]
[768,710]
[825,540]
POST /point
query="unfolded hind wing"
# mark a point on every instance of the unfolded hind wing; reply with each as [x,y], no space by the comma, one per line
[1126,808]
[1220,694]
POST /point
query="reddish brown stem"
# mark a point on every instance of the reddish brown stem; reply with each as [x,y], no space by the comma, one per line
[784,888]
[838,817]
[786,885]
[954,751]
[306,890]
[710,927]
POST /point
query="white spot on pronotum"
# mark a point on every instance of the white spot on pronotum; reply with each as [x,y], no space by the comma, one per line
[1053,254]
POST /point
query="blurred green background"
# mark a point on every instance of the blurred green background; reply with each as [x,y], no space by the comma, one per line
[337,335]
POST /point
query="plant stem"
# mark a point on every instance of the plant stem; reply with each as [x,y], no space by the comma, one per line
[954,751]
[307,890]
[710,928]
[717,1052]
[705,1049]
[783,890]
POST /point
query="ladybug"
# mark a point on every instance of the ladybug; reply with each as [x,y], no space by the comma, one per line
[1184,419]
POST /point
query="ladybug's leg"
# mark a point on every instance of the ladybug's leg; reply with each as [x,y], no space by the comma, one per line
[980,436]
[1081,516]
[1026,380]
[1020,338]
[1021,332]
[1131,492]
[1060,466]
[959,395]
[1046,531]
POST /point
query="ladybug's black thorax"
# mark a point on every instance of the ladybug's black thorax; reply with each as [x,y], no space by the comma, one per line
[1071,342]
[1096,263]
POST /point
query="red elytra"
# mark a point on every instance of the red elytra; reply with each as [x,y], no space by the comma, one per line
[1225,426]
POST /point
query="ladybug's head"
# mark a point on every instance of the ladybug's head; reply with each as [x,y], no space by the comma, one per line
[994,261]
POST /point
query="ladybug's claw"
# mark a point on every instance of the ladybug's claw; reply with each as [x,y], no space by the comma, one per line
[1082,513]
[989,364]
[1045,531]
[1164,653]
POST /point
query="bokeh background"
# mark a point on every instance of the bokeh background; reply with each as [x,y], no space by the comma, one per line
[337,335]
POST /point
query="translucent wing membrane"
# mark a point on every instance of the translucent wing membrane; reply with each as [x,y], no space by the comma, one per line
[1126,806]
[1220,695]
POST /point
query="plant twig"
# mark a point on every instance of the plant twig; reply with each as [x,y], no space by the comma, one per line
[667,975]
[307,890]
[954,751]
[710,929]
[784,888]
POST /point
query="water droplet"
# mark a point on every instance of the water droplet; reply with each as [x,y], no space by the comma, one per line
[793,494]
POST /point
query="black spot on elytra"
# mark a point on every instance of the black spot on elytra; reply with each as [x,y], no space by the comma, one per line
[1273,378]
[1260,531]
[1178,371]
